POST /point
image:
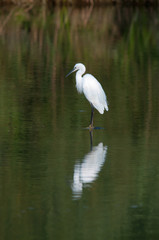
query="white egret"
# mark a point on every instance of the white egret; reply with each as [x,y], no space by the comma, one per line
[92,90]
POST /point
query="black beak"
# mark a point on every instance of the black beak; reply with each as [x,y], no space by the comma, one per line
[73,70]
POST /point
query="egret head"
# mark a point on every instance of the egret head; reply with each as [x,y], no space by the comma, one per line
[78,67]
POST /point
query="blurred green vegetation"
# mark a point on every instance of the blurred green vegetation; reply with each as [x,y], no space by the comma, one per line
[40,122]
[79,3]
[44,43]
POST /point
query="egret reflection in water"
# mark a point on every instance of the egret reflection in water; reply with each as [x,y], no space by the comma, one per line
[87,171]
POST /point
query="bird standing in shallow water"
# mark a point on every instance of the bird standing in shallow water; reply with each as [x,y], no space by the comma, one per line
[92,90]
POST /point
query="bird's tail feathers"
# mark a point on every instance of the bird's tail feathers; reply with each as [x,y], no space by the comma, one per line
[100,107]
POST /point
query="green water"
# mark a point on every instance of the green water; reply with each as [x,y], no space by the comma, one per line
[52,185]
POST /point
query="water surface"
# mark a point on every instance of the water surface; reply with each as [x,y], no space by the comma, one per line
[57,181]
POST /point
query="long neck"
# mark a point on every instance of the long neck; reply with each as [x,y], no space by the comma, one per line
[79,81]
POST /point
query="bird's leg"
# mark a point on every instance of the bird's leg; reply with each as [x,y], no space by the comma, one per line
[92,114]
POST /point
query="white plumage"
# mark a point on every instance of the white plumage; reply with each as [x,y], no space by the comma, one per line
[87,171]
[91,88]
[94,93]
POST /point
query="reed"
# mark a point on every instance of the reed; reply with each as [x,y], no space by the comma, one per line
[80,3]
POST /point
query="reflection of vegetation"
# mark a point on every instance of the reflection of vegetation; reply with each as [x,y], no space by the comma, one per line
[39,113]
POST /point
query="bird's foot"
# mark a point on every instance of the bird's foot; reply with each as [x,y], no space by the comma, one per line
[91,127]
